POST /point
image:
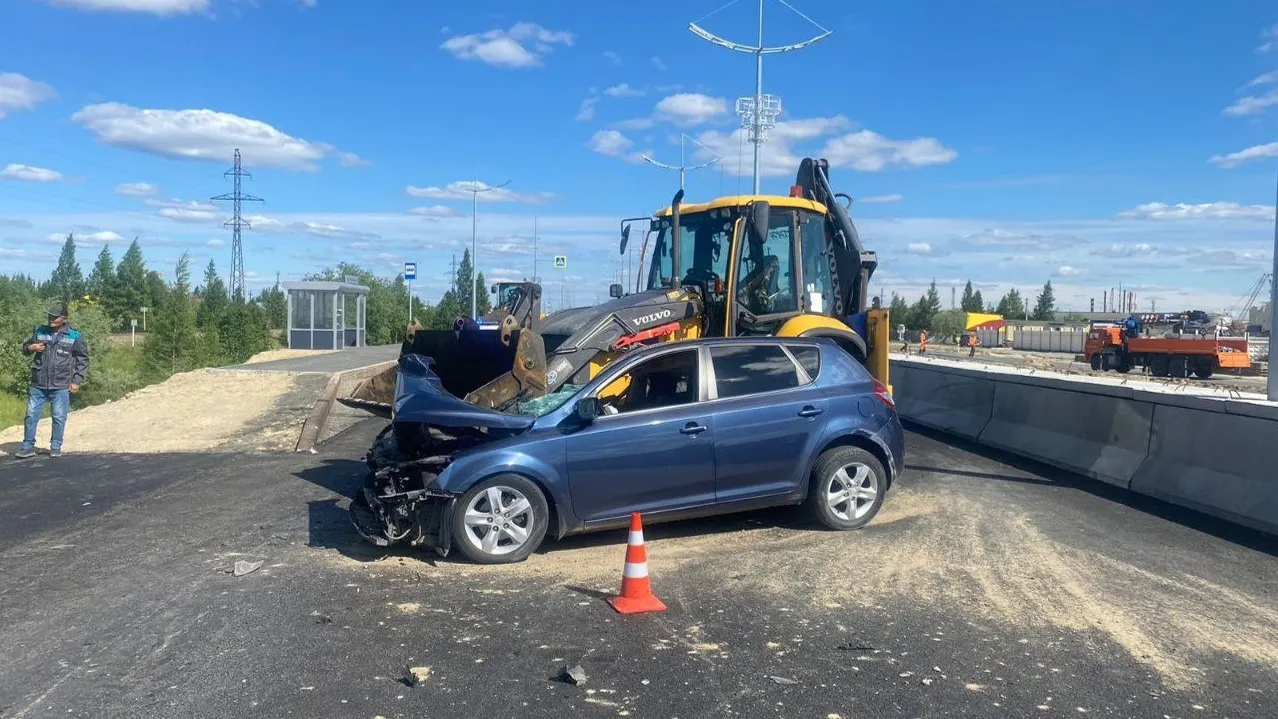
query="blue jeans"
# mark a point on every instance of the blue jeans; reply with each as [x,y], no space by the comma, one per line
[60,399]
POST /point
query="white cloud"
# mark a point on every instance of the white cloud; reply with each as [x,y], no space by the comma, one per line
[153,7]
[462,190]
[691,108]
[624,90]
[869,151]
[587,109]
[319,229]
[188,214]
[1068,271]
[1206,210]
[200,135]
[215,243]
[614,57]
[18,92]
[27,173]
[507,48]
[880,199]
[658,63]
[1266,79]
[136,189]
[1270,37]
[350,159]
[1252,104]
[777,158]
[435,211]
[1255,152]
[614,144]
[638,123]
[1140,249]
[919,248]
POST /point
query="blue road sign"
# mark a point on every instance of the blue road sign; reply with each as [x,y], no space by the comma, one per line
[410,270]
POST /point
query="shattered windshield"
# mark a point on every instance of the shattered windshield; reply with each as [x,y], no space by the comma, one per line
[541,406]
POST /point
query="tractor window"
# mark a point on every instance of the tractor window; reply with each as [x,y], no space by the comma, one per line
[818,290]
[704,243]
[766,277]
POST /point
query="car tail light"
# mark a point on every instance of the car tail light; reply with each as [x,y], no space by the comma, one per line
[884,394]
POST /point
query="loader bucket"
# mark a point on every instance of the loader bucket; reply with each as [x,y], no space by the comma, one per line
[464,361]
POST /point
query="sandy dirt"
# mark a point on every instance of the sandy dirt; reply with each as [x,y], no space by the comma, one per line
[271,355]
[189,412]
[987,562]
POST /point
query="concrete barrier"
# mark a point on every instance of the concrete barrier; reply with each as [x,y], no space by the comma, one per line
[1103,436]
[955,402]
[1215,454]
[1209,459]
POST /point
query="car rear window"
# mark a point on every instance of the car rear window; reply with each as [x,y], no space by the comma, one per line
[752,369]
[809,359]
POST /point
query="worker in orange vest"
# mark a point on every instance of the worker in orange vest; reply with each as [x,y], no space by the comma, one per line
[922,341]
[971,344]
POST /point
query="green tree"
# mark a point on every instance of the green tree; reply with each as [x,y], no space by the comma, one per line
[969,302]
[386,311]
[131,291]
[275,302]
[67,282]
[213,297]
[1045,305]
[102,278]
[450,307]
[978,302]
[483,303]
[173,344]
[899,311]
[947,324]
[925,310]
[1012,306]
[244,331]
[462,283]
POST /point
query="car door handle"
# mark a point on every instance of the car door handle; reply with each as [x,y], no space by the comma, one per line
[810,411]
[693,428]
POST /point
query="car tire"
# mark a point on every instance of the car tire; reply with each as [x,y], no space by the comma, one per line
[522,514]
[848,472]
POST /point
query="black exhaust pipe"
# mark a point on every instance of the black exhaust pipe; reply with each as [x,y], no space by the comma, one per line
[674,238]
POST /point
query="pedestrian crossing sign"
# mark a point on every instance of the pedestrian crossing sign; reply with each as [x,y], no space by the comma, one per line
[561,262]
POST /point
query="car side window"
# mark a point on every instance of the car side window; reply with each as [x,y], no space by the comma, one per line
[809,359]
[752,369]
[668,380]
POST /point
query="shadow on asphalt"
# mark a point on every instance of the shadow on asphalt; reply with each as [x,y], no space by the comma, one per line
[1054,476]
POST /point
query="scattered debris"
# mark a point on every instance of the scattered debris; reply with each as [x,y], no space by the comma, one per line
[242,567]
[905,675]
[850,647]
[417,675]
[575,676]
[926,681]
[784,680]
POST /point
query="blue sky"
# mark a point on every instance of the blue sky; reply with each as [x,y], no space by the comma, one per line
[1089,142]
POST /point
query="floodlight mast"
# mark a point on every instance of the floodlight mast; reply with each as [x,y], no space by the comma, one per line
[759,113]
[682,167]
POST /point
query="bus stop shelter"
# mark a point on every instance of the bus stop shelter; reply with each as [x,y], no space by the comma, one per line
[325,315]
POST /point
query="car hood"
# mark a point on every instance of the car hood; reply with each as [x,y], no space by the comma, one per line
[421,397]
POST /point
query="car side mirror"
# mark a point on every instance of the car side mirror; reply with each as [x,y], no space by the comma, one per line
[614,290]
[760,217]
[587,409]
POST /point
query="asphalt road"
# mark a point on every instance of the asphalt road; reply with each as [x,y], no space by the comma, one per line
[340,361]
[982,589]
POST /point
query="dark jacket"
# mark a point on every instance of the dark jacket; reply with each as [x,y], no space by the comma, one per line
[64,361]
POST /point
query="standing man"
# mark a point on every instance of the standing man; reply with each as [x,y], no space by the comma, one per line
[59,367]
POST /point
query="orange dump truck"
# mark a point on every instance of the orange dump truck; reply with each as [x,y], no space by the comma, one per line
[1109,348]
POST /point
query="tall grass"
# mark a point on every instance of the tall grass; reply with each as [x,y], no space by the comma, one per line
[113,373]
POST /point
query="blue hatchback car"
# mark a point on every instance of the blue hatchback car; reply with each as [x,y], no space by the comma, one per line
[673,431]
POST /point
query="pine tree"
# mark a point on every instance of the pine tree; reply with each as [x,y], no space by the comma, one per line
[214,300]
[462,283]
[978,302]
[275,302]
[67,282]
[483,304]
[924,312]
[243,330]
[450,307]
[1045,306]
[102,277]
[1011,307]
[970,301]
[131,291]
[173,344]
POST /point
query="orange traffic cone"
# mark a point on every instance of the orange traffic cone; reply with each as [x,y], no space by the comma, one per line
[636,593]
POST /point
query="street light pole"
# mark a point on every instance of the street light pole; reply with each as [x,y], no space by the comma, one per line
[1272,383]
[476,188]
[682,167]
